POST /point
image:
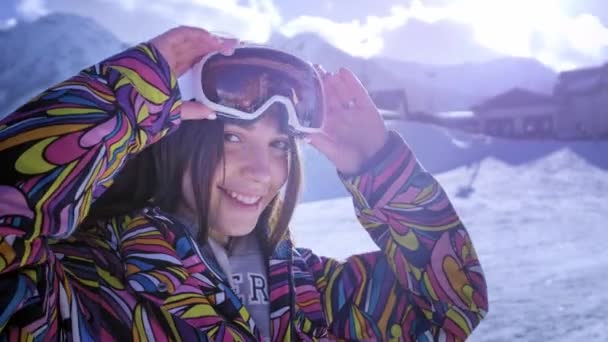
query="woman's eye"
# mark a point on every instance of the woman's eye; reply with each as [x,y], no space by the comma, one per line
[282,145]
[231,137]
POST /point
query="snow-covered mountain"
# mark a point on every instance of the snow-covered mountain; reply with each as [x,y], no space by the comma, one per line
[36,55]
[374,73]
[312,47]
[429,87]
[485,78]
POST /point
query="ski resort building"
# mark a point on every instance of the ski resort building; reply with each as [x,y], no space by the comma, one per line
[582,96]
[517,113]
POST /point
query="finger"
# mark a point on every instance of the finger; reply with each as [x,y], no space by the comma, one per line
[324,75]
[228,45]
[205,42]
[349,77]
[342,90]
[192,110]
[346,89]
[334,98]
[198,38]
[354,87]
[186,45]
[209,42]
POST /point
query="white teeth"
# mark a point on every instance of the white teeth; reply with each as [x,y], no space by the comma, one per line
[244,199]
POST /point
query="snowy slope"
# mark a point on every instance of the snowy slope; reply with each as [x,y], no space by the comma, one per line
[429,87]
[441,150]
[540,231]
[34,56]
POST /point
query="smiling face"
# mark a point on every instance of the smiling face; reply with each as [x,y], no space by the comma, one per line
[253,170]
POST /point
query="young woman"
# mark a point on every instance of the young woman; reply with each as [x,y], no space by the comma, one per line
[127,214]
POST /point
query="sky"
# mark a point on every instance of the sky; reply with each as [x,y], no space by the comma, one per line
[563,34]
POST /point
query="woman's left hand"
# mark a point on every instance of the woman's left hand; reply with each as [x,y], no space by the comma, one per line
[353,130]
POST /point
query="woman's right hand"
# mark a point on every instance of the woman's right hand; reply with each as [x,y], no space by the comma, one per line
[182,47]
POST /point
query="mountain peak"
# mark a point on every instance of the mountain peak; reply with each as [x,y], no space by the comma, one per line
[58,24]
[48,50]
[307,45]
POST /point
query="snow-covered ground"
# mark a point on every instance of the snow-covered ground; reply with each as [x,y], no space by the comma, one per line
[541,234]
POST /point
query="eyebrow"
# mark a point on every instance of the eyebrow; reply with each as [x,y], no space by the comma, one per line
[248,126]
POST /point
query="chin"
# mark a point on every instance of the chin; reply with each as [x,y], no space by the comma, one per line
[237,230]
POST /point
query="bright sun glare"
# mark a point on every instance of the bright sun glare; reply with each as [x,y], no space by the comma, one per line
[538,28]
[509,26]
[541,29]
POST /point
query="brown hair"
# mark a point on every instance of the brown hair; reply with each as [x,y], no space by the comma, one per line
[154,177]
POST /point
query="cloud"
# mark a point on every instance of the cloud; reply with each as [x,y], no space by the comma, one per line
[573,42]
[256,13]
[540,29]
[586,34]
[515,28]
[137,20]
[7,23]
[441,42]
[358,38]
[365,38]
[31,9]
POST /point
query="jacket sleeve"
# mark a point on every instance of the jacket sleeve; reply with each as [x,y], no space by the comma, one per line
[425,281]
[60,151]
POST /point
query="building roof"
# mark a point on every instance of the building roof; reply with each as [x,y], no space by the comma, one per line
[515,97]
[581,80]
[461,114]
[573,75]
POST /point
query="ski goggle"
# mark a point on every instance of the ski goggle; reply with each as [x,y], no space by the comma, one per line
[254,80]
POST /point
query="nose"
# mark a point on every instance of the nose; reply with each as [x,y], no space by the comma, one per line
[256,166]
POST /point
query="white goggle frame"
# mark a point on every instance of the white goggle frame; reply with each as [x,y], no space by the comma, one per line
[190,88]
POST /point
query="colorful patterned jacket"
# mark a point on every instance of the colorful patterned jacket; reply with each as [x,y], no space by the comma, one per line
[142,276]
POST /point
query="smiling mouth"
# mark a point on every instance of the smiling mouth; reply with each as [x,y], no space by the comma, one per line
[243,199]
